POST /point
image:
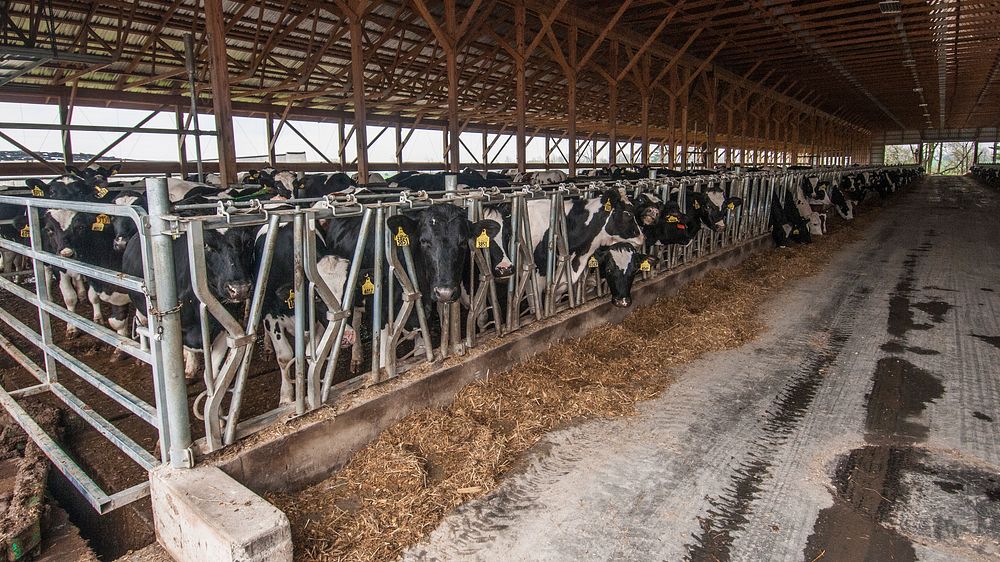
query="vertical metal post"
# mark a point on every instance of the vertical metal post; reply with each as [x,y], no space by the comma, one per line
[165,328]
[43,292]
[189,63]
[298,226]
[377,296]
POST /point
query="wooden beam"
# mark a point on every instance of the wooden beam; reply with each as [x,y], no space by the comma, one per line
[221,103]
[358,86]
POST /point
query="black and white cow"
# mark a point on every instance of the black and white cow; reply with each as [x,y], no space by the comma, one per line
[278,305]
[590,224]
[619,264]
[787,223]
[319,185]
[230,279]
[709,208]
[544,177]
[88,238]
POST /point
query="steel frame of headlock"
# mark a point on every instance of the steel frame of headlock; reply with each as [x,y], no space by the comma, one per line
[168,413]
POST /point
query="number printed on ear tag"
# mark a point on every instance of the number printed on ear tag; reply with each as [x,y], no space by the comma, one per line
[592,262]
[367,287]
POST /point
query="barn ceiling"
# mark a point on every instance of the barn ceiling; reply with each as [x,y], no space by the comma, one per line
[773,59]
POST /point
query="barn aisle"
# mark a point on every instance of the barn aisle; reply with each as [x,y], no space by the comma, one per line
[862,426]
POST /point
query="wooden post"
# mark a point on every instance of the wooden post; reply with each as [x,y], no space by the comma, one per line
[684,136]
[520,16]
[571,99]
[269,123]
[215,26]
[672,120]
[613,106]
[645,128]
[399,145]
[181,138]
[451,62]
[67,140]
[486,152]
[358,87]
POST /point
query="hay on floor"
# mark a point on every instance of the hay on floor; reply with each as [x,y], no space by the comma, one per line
[398,488]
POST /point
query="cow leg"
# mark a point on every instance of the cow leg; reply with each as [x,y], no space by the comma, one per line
[80,285]
[69,297]
[284,354]
[191,362]
[95,303]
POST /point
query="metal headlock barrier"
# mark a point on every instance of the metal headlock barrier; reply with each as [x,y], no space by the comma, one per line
[403,333]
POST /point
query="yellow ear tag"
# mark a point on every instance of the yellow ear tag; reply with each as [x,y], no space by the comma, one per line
[37,192]
[731,205]
[607,206]
[290,301]
[696,205]
[592,262]
[645,265]
[795,232]
[367,287]
[101,192]
[673,218]
[26,232]
[401,239]
[113,172]
[100,222]
[483,240]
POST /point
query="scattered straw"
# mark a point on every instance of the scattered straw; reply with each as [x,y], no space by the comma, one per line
[398,488]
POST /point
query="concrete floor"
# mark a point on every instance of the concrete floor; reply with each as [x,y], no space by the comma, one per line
[859,427]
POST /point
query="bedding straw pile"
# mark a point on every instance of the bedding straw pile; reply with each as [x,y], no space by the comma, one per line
[399,487]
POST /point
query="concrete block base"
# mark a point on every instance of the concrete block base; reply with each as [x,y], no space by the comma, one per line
[203,514]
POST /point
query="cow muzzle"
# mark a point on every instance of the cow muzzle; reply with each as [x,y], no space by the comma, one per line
[503,270]
[120,243]
[444,294]
[237,291]
[624,302]
[67,252]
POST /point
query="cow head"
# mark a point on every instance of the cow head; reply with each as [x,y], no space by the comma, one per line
[228,256]
[95,175]
[440,235]
[840,202]
[124,227]
[68,188]
[674,227]
[81,236]
[284,182]
[711,207]
[502,265]
[621,215]
[618,265]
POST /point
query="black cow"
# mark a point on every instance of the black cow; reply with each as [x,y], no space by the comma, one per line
[709,208]
[663,222]
[230,279]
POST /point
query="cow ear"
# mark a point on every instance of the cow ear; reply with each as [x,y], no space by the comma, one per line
[732,203]
[35,182]
[74,171]
[396,222]
[601,254]
[114,169]
[490,226]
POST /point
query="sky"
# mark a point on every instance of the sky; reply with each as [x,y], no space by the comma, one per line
[423,146]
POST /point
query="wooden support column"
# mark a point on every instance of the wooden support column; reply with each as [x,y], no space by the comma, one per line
[486,152]
[269,124]
[729,136]
[613,105]
[645,129]
[672,124]
[181,138]
[67,140]
[358,85]
[215,26]
[342,142]
[451,62]
[571,98]
[520,17]
[399,144]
